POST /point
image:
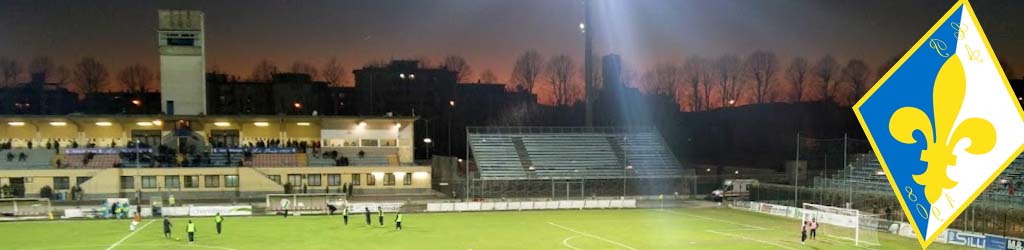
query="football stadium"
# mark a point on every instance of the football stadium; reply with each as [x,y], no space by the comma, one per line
[633,148]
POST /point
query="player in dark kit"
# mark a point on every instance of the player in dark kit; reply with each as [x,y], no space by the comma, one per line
[380,216]
[167,228]
[803,232]
[367,216]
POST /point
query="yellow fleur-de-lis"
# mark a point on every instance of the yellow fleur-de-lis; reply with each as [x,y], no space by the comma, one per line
[948,98]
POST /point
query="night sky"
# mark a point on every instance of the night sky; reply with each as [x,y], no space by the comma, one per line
[490,33]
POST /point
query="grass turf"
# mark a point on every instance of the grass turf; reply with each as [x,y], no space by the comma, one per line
[588,229]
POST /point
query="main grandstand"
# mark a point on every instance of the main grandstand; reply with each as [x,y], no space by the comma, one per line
[94,157]
[572,162]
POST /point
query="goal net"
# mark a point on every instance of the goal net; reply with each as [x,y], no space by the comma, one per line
[843,223]
[309,203]
[24,208]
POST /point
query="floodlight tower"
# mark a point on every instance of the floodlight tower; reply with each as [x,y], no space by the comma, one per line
[588,66]
[182,44]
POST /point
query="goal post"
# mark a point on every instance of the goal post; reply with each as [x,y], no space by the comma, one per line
[25,208]
[307,203]
[843,223]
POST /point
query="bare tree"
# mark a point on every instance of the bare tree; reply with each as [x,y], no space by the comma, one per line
[61,75]
[528,66]
[664,79]
[797,76]
[263,72]
[333,72]
[885,67]
[425,62]
[458,65]
[727,70]
[41,65]
[856,74]
[697,78]
[761,67]
[135,78]
[825,71]
[9,71]
[302,67]
[560,71]
[90,75]
[488,77]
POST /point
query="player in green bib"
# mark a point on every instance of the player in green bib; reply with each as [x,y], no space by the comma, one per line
[398,221]
[218,219]
[344,215]
[380,216]
[191,229]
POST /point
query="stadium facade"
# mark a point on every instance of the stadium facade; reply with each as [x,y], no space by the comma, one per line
[207,157]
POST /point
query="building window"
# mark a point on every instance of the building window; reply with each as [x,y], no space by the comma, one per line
[81,180]
[369,142]
[356,179]
[295,179]
[172,181]
[212,181]
[127,182]
[334,180]
[230,181]
[192,181]
[371,180]
[149,182]
[407,180]
[313,180]
[61,183]
[389,179]
[389,142]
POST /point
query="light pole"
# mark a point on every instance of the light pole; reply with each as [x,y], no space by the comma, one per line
[624,173]
[796,173]
[138,174]
[451,112]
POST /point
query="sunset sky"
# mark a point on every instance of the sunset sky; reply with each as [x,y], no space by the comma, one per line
[490,33]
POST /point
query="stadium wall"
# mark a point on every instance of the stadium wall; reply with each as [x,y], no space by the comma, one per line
[252,182]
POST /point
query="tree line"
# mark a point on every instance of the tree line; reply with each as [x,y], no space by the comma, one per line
[697,83]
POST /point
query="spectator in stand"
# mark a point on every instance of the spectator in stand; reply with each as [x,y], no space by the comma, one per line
[48,144]
[10,156]
[361,153]
[22,156]
[29,144]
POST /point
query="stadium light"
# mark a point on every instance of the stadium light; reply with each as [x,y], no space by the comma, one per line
[144,124]
[707,170]
[58,124]
[16,124]
[302,123]
[879,173]
[297,105]
[221,124]
[629,167]
[261,124]
[737,172]
[412,76]
[137,102]
[451,103]
[1003,181]
[531,168]
[361,125]
[401,75]
[460,160]
[158,122]
[103,124]
[427,140]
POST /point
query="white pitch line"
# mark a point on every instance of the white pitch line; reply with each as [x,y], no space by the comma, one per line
[718,220]
[566,242]
[591,236]
[130,235]
[746,238]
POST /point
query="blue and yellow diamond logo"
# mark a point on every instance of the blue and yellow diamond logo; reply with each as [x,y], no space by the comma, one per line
[943,122]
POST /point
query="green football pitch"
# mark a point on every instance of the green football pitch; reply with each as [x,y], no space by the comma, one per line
[704,228]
